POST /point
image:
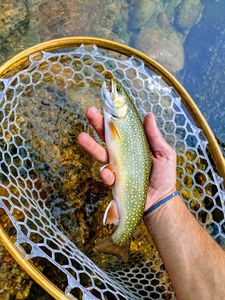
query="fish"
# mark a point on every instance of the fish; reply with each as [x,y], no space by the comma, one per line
[130,159]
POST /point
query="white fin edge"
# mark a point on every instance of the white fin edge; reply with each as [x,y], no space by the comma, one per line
[116,219]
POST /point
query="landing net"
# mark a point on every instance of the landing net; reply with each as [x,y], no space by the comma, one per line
[51,191]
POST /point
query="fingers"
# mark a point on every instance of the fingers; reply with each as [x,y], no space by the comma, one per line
[92,147]
[96,120]
[99,153]
[157,143]
[108,177]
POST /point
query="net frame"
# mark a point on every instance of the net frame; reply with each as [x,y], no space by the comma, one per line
[151,64]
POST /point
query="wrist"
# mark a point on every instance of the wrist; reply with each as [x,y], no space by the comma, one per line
[155,195]
[158,219]
[160,203]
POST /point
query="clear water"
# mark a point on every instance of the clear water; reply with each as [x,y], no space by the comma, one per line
[191,49]
[203,72]
[187,39]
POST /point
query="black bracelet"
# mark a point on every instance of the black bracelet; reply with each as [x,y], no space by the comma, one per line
[153,207]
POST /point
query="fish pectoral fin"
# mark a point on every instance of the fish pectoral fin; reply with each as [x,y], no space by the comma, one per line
[113,130]
[111,215]
[107,166]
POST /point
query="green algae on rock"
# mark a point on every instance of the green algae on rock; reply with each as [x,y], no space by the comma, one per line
[170,7]
[143,11]
[13,25]
[188,14]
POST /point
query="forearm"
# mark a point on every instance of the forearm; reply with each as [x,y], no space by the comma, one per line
[195,263]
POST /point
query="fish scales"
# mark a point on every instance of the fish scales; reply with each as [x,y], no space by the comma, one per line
[132,151]
[130,158]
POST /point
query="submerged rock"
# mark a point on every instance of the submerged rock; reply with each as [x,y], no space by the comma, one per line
[13,24]
[164,45]
[12,20]
[170,7]
[84,18]
[188,13]
[47,20]
[142,11]
[113,21]
[157,38]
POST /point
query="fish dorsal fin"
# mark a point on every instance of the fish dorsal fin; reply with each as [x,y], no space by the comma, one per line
[113,130]
[111,215]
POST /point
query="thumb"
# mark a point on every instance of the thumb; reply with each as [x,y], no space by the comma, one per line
[156,141]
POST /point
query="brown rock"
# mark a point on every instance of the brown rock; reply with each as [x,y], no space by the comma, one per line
[163,45]
[143,11]
[81,18]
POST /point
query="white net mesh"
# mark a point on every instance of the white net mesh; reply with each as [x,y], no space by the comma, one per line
[51,191]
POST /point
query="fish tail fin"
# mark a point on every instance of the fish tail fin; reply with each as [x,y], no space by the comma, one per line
[107,246]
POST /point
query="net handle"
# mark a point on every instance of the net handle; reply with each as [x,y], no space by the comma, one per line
[186,99]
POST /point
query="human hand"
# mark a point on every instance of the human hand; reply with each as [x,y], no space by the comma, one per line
[163,176]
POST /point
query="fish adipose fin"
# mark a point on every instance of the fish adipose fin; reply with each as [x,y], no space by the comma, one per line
[111,215]
[107,246]
[113,130]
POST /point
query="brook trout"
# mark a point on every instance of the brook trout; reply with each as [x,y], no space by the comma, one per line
[130,160]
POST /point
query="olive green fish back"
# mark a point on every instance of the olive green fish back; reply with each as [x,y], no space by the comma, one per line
[135,157]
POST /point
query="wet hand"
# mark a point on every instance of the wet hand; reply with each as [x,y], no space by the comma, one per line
[163,176]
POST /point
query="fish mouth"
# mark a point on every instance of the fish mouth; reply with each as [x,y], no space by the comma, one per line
[112,97]
[106,98]
[106,95]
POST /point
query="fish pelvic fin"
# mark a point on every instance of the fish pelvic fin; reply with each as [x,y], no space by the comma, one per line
[107,166]
[111,215]
[107,246]
[113,130]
